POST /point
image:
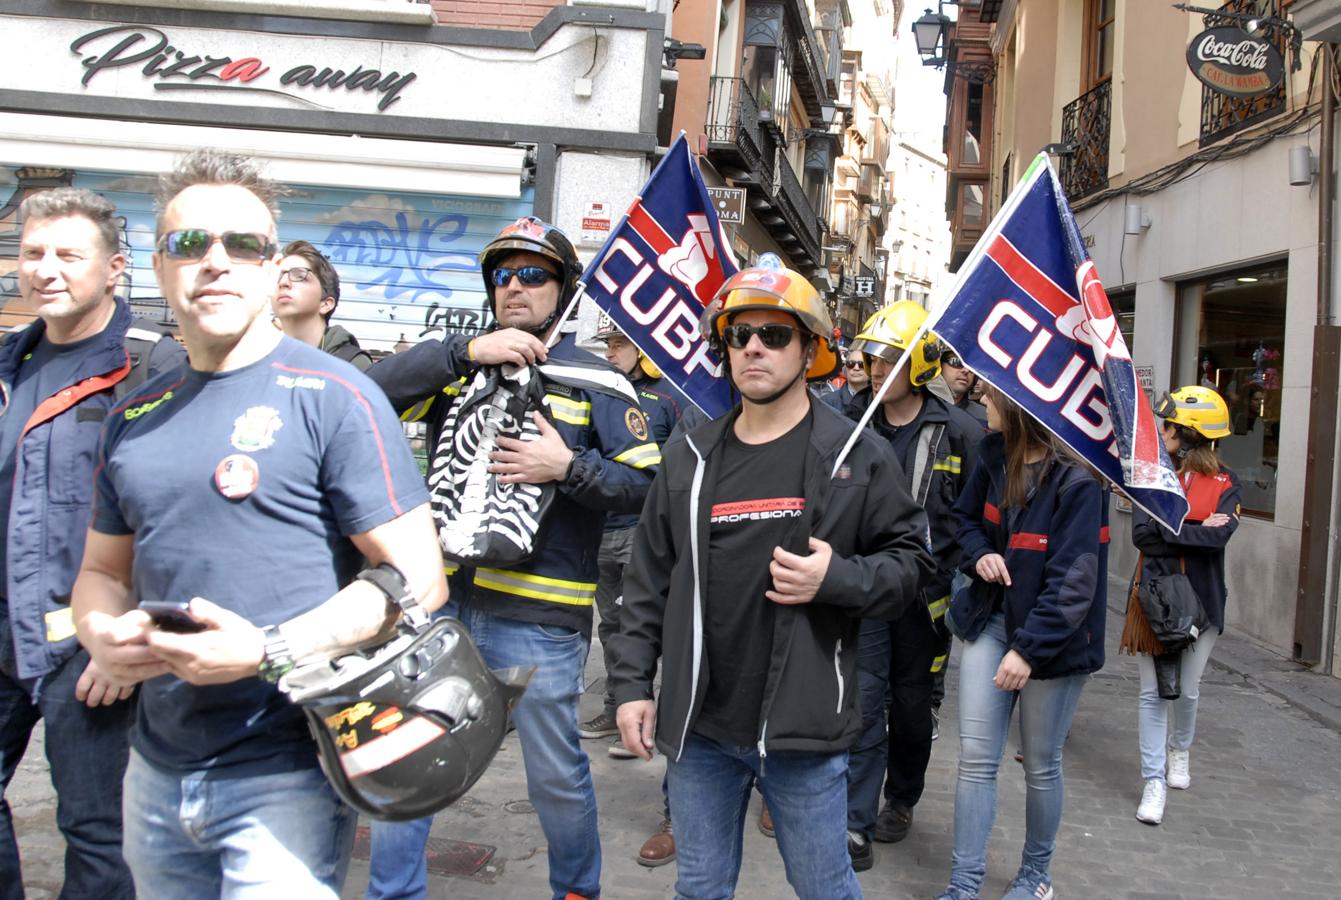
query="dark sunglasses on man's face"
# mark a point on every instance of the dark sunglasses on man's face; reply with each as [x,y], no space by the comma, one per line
[195,243]
[952,361]
[531,276]
[853,364]
[774,335]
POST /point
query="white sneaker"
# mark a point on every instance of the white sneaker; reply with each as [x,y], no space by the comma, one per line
[1151,810]
[1179,777]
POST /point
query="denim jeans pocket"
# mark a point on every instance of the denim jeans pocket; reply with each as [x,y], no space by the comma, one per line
[559,633]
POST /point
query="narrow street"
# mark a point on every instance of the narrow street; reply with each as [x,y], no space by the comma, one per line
[1260,819]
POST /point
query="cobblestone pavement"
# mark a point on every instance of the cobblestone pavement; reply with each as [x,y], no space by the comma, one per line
[1262,818]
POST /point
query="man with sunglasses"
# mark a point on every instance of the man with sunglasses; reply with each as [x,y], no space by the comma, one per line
[595,447]
[961,383]
[238,498]
[309,291]
[855,379]
[60,376]
[752,564]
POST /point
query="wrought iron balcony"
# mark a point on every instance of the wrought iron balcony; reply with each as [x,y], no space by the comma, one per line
[1222,114]
[734,128]
[796,209]
[1087,123]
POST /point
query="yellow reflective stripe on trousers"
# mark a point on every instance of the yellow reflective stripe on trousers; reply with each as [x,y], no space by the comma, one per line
[939,663]
[641,457]
[939,607]
[952,464]
[574,412]
[537,587]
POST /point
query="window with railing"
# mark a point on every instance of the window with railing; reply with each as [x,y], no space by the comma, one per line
[1222,114]
[1087,124]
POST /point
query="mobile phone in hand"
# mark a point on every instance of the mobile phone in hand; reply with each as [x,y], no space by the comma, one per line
[174,616]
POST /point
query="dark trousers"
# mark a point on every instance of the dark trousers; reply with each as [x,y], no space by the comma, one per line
[87,752]
[616,548]
[914,645]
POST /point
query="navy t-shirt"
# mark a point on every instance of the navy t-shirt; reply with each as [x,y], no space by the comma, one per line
[48,368]
[241,488]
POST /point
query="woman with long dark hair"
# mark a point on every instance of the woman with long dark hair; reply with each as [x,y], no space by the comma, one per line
[1195,418]
[1032,528]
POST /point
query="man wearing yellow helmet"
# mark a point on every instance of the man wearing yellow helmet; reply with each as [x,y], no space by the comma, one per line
[752,565]
[933,442]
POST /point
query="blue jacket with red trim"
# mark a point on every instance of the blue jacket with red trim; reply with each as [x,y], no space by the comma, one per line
[611,473]
[1197,550]
[53,487]
[663,403]
[1056,551]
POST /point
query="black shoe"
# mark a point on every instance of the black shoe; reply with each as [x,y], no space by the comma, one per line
[863,855]
[892,825]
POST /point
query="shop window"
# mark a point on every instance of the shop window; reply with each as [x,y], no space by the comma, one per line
[1124,310]
[1230,336]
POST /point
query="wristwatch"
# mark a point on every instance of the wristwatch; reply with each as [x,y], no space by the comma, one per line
[276,659]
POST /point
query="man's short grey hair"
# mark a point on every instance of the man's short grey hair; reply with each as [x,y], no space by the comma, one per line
[64,202]
[210,166]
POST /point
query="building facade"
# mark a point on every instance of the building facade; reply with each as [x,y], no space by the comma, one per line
[1205,217]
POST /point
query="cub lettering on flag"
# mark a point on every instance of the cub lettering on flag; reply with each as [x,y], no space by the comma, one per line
[661,265]
[1029,315]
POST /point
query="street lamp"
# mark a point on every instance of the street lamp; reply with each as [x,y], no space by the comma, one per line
[930,33]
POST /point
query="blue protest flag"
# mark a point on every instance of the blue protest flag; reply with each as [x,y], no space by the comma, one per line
[658,269]
[1029,316]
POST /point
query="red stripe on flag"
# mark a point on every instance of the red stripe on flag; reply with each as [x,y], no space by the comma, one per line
[1029,278]
[649,229]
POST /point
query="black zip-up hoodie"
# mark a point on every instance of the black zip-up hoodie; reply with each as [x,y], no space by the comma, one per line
[880,559]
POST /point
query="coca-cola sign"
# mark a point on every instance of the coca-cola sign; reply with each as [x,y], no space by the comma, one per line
[1231,61]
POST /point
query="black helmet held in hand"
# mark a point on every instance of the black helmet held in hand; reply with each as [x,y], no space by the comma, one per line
[405,729]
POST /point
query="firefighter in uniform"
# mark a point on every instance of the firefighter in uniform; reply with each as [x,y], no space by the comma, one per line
[599,453]
[933,442]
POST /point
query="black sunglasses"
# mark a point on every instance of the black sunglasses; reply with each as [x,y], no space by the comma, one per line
[853,364]
[531,276]
[296,274]
[194,243]
[774,335]
[952,361]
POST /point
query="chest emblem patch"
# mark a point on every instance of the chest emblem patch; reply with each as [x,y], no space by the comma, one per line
[255,429]
[236,476]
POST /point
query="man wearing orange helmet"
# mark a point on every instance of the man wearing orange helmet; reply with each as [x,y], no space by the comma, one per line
[753,563]
[933,442]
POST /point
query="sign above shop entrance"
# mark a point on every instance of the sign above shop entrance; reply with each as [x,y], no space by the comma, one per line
[1231,61]
[176,69]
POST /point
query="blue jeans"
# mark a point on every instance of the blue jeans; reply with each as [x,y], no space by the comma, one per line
[867,759]
[558,773]
[1155,729]
[261,836]
[805,792]
[1046,708]
[86,751]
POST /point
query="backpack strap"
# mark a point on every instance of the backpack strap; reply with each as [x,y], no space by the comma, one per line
[139,343]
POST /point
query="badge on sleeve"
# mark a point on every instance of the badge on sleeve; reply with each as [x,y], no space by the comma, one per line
[237,476]
[255,429]
[636,422]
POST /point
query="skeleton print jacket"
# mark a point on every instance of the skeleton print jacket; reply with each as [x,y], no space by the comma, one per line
[614,462]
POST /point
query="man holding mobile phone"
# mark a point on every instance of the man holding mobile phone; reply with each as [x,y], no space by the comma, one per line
[60,376]
[250,482]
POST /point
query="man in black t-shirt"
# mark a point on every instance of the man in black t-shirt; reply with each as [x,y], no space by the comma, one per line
[756,555]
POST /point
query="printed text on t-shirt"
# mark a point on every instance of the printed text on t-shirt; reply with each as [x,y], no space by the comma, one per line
[755,510]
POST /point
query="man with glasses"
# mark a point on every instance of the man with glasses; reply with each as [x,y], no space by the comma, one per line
[237,498]
[59,377]
[752,565]
[309,291]
[595,447]
[855,380]
[962,383]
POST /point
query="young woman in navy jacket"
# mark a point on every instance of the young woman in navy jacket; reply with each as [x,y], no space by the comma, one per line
[1194,418]
[1032,525]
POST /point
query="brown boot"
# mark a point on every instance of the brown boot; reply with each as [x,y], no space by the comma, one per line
[659,849]
[765,819]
